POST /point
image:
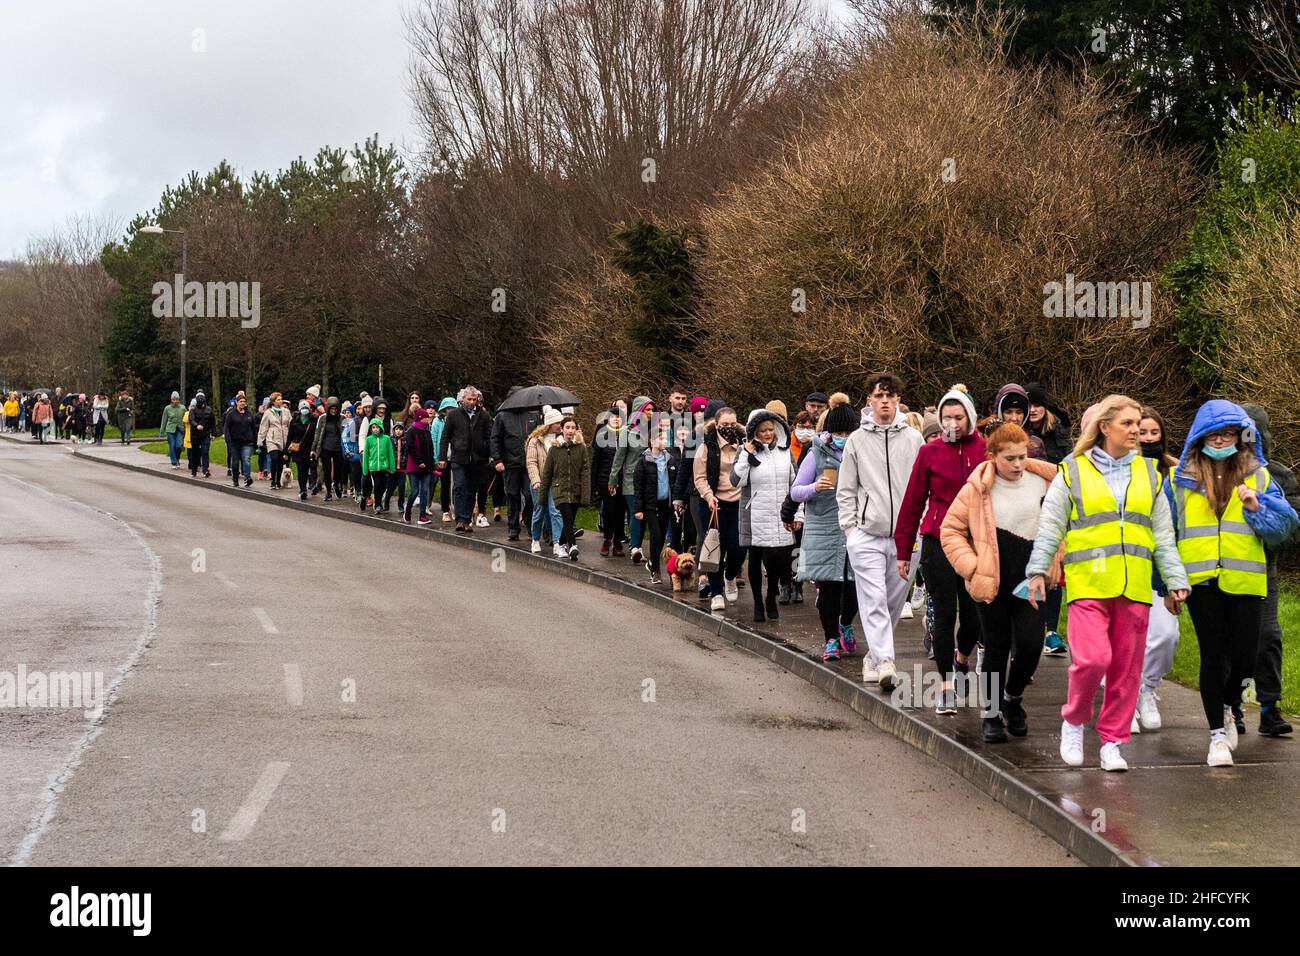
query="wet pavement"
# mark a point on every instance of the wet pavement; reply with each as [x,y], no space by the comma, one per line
[1169,808]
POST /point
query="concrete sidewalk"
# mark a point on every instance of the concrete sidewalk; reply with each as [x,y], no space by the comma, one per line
[1168,809]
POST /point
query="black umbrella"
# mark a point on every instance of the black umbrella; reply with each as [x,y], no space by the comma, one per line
[535,396]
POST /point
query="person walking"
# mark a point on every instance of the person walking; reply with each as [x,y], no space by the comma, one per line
[378,462]
[302,435]
[713,466]
[642,424]
[822,555]
[536,449]
[441,476]
[273,435]
[99,417]
[566,479]
[874,473]
[327,445]
[172,428]
[1228,508]
[1106,504]
[987,534]
[241,435]
[506,453]
[125,414]
[1268,663]
[938,476]
[43,419]
[1049,423]
[464,444]
[1162,625]
[610,436]
[764,473]
[201,428]
[656,475]
[418,464]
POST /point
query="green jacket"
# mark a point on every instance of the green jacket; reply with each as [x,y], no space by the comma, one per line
[173,419]
[378,455]
[567,474]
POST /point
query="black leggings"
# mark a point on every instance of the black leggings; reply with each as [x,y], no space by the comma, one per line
[613,513]
[379,482]
[775,561]
[277,466]
[333,468]
[1227,630]
[837,604]
[569,512]
[658,520]
[1010,626]
[951,601]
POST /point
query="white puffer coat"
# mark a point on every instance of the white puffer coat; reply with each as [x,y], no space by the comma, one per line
[764,479]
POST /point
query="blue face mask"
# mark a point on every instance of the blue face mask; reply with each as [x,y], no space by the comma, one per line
[1218,454]
[839,442]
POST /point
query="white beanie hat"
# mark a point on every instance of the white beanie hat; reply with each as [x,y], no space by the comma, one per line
[551,416]
[314,391]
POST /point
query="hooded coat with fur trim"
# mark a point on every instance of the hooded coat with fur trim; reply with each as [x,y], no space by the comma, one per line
[764,477]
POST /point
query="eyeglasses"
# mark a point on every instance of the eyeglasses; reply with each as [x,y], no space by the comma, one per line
[1227,434]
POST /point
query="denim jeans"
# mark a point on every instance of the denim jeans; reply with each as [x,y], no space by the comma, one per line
[175,445]
[419,491]
[635,527]
[240,457]
[557,520]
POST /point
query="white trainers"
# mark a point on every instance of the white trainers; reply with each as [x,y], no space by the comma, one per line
[719,603]
[446,517]
[870,672]
[1220,753]
[573,552]
[482,521]
[1148,713]
[1111,758]
[1135,727]
[1230,728]
[730,590]
[917,600]
[907,614]
[1072,743]
[536,547]
[888,676]
[561,552]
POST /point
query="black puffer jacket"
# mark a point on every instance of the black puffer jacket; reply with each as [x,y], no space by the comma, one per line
[509,431]
[645,480]
[602,458]
[201,422]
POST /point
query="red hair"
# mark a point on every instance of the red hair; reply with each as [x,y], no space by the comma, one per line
[1004,435]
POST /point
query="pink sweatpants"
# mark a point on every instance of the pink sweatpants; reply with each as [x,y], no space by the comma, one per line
[1107,639]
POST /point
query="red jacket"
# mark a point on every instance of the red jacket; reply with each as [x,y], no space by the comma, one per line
[938,475]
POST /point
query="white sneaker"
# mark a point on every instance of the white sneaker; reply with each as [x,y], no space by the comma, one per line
[560,551]
[1230,728]
[1072,743]
[1135,727]
[573,552]
[1148,713]
[888,676]
[870,672]
[1111,758]
[482,521]
[730,590]
[1220,753]
[917,599]
[446,517]
[719,603]
[907,614]
[537,547]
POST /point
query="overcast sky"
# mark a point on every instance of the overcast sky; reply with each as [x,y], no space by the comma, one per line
[105,102]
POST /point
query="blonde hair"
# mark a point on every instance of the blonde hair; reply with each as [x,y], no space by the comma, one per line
[915,420]
[1107,409]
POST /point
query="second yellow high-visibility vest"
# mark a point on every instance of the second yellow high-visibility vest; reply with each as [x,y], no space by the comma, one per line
[1108,553]
[1225,548]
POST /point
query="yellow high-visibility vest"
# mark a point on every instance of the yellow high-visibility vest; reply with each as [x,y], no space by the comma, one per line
[1108,553]
[1225,548]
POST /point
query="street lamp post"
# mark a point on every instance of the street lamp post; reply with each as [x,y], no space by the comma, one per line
[157,231]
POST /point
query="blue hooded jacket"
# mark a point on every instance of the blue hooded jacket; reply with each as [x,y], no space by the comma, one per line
[1276,520]
[435,427]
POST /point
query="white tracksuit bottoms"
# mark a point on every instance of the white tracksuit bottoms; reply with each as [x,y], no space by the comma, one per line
[881,592]
[1162,643]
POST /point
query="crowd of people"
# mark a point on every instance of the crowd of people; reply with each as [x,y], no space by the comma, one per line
[72,416]
[992,521]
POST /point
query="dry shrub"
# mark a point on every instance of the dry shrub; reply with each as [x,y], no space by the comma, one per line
[1259,305]
[943,281]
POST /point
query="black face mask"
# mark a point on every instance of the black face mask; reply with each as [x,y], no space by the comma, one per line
[1153,449]
[731,433]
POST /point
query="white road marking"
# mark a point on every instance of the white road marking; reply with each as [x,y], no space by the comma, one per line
[293,684]
[246,817]
[220,575]
[265,618]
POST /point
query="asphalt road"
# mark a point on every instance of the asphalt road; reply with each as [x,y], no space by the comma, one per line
[291,689]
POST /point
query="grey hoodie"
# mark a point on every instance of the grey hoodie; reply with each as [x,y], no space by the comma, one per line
[874,473]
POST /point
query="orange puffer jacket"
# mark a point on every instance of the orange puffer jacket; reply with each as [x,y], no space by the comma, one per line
[970,537]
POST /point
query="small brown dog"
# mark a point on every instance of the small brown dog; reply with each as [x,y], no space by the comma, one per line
[680,567]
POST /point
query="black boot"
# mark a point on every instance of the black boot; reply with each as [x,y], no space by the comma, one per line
[797,597]
[758,612]
[1017,722]
[1271,723]
[771,607]
[994,732]
[1239,717]
[783,596]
